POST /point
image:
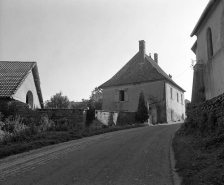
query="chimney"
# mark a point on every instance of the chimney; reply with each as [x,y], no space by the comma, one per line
[156,57]
[150,55]
[142,49]
[170,75]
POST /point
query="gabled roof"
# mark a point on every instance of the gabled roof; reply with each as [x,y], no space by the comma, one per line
[12,75]
[137,71]
[211,4]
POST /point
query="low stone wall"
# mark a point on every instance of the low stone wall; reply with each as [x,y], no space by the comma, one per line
[74,115]
[215,106]
[115,117]
[126,118]
[14,107]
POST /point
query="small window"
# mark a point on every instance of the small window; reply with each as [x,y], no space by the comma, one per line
[121,95]
[209,43]
[171,93]
[177,97]
[181,98]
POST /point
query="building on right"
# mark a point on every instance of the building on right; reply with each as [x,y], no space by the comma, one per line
[208,81]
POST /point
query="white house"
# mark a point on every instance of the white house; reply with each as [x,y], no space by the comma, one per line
[20,81]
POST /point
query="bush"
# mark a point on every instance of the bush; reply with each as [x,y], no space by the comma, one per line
[90,116]
[142,112]
[111,119]
[13,125]
[45,123]
[212,121]
[202,124]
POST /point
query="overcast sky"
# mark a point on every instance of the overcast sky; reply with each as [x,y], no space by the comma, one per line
[80,44]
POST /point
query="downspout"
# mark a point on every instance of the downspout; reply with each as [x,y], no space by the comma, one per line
[165,100]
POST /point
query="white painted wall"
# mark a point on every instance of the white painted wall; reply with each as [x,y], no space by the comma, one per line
[178,107]
[27,85]
[103,116]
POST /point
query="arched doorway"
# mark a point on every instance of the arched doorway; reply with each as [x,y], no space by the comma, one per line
[29,99]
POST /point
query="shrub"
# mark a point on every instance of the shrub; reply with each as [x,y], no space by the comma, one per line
[202,124]
[111,119]
[13,125]
[45,123]
[212,121]
[90,116]
[63,124]
[142,112]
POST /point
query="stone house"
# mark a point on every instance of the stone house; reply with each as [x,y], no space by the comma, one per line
[208,79]
[164,98]
[20,81]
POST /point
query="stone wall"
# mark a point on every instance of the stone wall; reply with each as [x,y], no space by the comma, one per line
[215,106]
[115,117]
[14,107]
[74,115]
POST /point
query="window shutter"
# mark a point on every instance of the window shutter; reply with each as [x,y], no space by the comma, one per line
[116,98]
[126,94]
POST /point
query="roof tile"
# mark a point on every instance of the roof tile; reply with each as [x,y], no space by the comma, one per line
[11,75]
[136,71]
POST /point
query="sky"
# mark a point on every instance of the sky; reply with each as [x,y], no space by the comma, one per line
[80,44]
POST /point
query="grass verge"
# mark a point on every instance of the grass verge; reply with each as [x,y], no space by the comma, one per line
[199,157]
[42,139]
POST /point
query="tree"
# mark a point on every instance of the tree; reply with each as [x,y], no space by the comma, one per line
[94,103]
[95,99]
[57,101]
[142,112]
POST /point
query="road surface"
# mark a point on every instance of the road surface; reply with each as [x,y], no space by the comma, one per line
[137,156]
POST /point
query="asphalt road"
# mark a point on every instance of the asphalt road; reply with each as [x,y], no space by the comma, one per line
[135,156]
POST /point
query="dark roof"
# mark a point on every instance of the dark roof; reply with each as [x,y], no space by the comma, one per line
[136,71]
[208,8]
[12,75]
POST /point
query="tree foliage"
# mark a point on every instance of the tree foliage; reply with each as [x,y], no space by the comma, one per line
[57,101]
[142,112]
[94,103]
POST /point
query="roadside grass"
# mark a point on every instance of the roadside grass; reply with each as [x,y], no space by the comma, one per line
[199,155]
[14,146]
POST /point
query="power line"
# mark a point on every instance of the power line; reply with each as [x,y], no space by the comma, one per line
[182,72]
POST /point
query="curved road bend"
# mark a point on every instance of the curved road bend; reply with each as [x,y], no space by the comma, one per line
[136,156]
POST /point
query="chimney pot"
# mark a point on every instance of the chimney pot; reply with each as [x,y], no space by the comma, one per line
[156,57]
[150,55]
[142,48]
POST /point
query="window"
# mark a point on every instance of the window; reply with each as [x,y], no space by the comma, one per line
[177,97]
[121,95]
[29,99]
[171,93]
[181,98]
[209,43]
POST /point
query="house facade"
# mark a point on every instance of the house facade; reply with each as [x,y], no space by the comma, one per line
[164,98]
[208,79]
[20,81]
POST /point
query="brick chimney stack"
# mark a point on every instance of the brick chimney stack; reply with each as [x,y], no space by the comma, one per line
[156,57]
[142,49]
